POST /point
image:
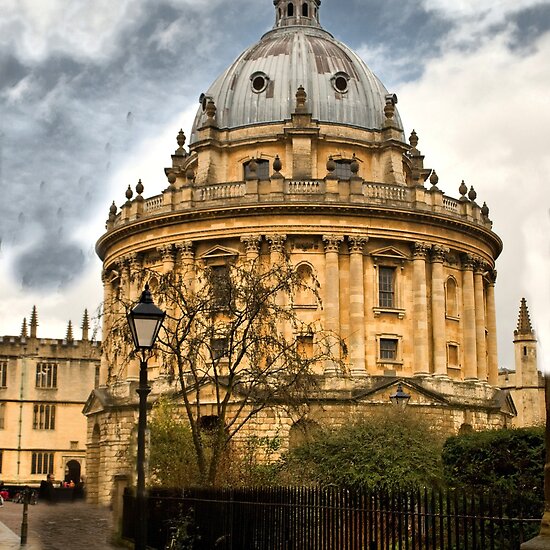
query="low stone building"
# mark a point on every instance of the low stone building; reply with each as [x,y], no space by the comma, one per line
[44,384]
[298,147]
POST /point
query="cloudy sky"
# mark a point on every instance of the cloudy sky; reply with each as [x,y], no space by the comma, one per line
[92,94]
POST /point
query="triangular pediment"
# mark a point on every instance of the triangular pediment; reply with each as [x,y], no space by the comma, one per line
[389,252]
[219,253]
[97,401]
[380,394]
[507,405]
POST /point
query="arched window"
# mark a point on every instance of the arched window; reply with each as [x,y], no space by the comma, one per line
[305,295]
[290,10]
[451,303]
[305,11]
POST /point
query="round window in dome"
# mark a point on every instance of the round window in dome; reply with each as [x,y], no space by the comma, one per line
[259,82]
[340,82]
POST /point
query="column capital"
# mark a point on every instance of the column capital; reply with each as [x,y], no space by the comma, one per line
[332,242]
[185,249]
[468,261]
[420,250]
[481,266]
[276,242]
[251,243]
[492,277]
[166,252]
[357,243]
[439,253]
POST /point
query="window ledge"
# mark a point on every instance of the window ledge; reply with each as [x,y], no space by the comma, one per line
[454,367]
[452,318]
[305,306]
[390,310]
[389,362]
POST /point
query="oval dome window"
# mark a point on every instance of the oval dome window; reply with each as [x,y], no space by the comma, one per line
[259,82]
[340,82]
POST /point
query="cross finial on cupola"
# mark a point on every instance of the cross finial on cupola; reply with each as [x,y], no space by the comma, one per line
[297,12]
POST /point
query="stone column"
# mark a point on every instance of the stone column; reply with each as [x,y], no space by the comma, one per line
[481,345]
[469,330]
[492,330]
[276,254]
[167,254]
[252,247]
[438,311]
[332,299]
[108,304]
[357,306]
[186,263]
[420,309]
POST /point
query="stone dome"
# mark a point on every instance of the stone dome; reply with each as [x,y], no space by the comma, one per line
[260,86]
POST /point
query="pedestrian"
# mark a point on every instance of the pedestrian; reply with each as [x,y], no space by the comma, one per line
[47,491]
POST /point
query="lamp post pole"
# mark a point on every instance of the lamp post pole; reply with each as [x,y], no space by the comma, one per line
[141,501]
[144,320]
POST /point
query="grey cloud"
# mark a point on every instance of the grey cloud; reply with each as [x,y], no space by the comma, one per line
[529,25]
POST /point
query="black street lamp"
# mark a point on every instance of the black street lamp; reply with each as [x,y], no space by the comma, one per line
[400,398]
[145,321]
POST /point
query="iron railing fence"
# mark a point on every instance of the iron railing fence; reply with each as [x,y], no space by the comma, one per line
[287,518]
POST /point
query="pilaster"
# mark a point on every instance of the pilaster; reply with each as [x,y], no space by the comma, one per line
[469,306]
[438,311]
[420,309]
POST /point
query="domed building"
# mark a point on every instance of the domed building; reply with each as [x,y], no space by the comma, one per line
[298,146]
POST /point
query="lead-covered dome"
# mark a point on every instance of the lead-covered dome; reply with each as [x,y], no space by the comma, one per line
[260,86]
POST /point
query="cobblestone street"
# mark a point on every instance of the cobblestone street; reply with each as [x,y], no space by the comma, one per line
[64,526]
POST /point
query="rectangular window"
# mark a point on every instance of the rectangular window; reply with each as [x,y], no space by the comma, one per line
[43,417]
[3,374]
[386,287]
[452,355]
[46,375]
[1,460]
[218,348]
[220,281]
[304,344]
[2,415]
[388,349]
[42,463]
[343,169]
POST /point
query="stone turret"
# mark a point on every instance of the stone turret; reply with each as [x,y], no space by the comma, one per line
[525,344]
[85,326]
[34,322]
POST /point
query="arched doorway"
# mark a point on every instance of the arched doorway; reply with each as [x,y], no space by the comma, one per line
[72,471]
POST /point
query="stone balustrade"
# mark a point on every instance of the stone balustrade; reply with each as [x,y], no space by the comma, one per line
[314,191]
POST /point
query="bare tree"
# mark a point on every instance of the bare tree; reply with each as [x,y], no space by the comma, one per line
[235,345]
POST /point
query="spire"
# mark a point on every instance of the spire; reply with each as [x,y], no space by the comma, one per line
[85,325]
[24,333]
[34,322]
[69,336]
[524,322]
[297,12]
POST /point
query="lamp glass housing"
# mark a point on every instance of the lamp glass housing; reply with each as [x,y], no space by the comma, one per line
[145,321]
[400,398]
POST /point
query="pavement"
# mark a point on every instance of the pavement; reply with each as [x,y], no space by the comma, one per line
[62,526]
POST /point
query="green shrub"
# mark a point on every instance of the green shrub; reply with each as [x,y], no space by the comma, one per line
[386,450]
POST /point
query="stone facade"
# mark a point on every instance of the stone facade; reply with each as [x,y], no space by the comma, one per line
[406,272]
[44,384]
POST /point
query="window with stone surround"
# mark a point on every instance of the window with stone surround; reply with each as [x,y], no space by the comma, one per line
[218,348]
[2,415]
[304,345]
[305,295]
[386,287]
[43,417]
[42,463]
[262,169]
[389,348]
[46,375]
[1,460]
[3,373]
[343,169]
[453,360]
[451,300]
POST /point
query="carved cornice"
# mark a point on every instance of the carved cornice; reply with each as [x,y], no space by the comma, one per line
[332,242]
